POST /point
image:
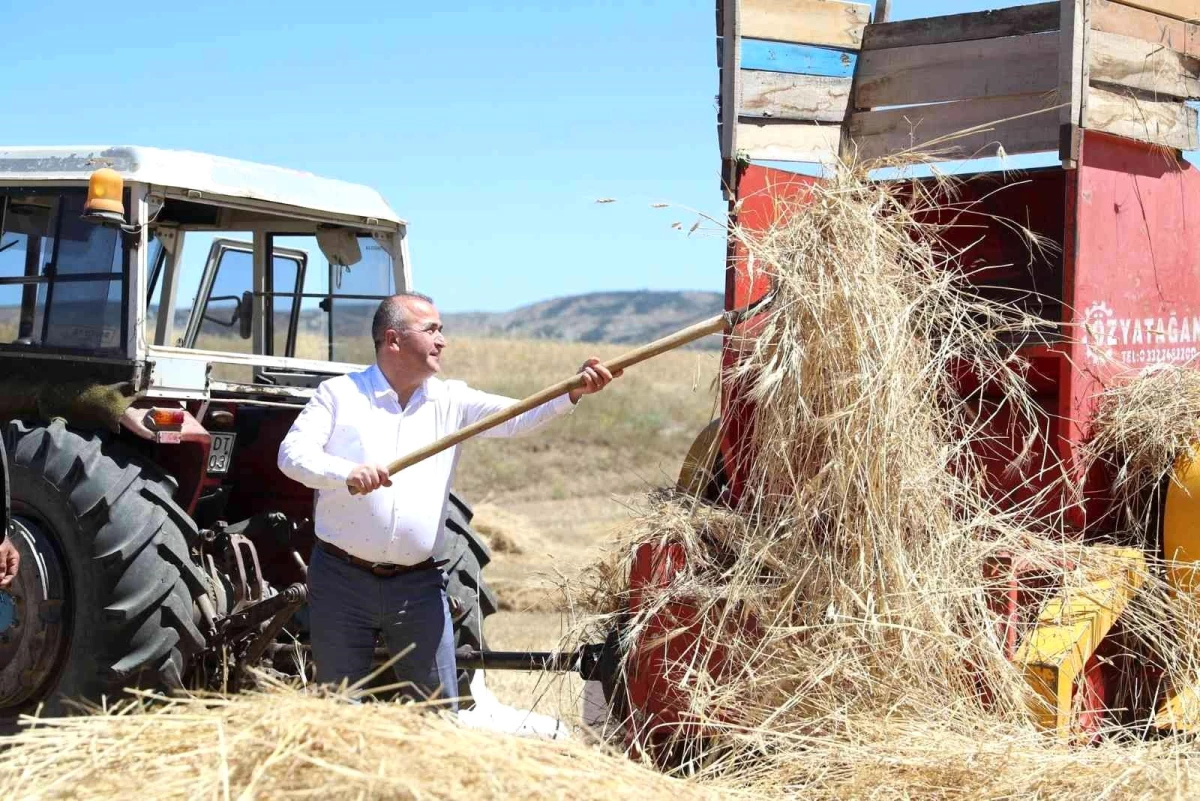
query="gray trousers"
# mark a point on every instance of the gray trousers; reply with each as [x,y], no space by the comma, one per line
[349,607]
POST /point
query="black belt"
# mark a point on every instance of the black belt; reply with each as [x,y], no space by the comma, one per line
[381,569]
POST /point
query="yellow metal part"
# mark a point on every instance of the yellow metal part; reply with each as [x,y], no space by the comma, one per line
[697,470]
[1181,528]
[1181,548]
[1070,628]
[1181,711]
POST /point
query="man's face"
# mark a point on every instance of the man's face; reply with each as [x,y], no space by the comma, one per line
[416,347]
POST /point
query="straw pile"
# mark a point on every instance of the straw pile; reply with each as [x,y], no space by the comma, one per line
[287,743]
[858,654]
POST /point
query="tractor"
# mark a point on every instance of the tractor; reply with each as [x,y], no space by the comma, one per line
[164,316]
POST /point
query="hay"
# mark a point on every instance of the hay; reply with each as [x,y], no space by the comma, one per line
[1143,426]
[504,531]
[857,652]
[288,743]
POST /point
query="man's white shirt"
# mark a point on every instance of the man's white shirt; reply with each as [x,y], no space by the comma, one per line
[357,419]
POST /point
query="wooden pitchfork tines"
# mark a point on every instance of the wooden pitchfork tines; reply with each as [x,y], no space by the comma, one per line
[720,323]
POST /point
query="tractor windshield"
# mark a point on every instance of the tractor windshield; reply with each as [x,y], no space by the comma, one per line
[61,279]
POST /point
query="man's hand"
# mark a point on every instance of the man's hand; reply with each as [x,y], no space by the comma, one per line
[595,378]
[368,478]
[10,560]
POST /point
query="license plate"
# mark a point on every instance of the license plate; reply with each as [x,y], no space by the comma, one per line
[221,454]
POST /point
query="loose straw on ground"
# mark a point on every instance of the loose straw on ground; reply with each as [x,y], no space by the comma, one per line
[288,743]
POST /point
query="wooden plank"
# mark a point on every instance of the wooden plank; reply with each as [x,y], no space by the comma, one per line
[1179,9]
[883,11]
[1170,124]
[730,98]
[1112,17]
[1020,124]
[818,22]
[1018,21]
[1072,35]
[957,71]
[779,57]
[788,141]
[778,95]
[1138,64]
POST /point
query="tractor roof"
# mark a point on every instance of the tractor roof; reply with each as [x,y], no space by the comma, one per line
[209,175]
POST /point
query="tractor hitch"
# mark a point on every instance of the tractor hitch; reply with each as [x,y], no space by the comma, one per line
[587,660]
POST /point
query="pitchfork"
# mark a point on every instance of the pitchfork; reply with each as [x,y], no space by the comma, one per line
[721,322]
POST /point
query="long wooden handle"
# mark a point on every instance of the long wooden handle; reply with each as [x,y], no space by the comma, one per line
[659,346]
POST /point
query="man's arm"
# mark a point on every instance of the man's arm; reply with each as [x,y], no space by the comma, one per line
[302,455]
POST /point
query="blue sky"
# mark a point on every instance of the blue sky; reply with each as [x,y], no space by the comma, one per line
[492,127]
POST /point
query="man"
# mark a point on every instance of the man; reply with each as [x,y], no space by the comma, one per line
[372,570]
[10,557]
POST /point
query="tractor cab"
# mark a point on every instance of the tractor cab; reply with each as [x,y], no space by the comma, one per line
[213,276]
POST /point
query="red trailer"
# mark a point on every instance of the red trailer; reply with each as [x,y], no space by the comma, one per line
[1099,88]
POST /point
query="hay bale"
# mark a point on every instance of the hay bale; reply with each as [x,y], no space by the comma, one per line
[288,743]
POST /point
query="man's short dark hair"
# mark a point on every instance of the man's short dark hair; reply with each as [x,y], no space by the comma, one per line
[391,314]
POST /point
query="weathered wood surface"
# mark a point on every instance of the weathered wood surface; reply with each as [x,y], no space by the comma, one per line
[1018,21]
[1072,76]
[1179,9]
[1125,113]
[819,22]
[957,71]
[731,56]
[1113,17]
[788,141]
[1021,124]
[757,54]
[1139,64]
[778,95]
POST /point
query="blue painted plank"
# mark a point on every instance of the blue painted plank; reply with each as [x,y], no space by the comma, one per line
[758,54]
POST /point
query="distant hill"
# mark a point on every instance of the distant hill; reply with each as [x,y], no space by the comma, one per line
[624,317]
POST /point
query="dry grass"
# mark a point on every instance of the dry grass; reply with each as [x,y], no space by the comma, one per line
[287,743]
[1144,426]
[844,644]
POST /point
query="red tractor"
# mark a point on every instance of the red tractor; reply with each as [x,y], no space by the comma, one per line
[164,316]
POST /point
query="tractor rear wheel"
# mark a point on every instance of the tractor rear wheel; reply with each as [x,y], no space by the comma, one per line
[471,598]
[104,598]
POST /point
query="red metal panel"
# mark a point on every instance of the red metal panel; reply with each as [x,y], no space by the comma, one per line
[762,197]
[1132,267]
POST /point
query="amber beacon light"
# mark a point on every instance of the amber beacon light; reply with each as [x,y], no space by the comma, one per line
[104,198]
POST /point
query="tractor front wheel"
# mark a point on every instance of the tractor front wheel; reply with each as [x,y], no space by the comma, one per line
[104,596]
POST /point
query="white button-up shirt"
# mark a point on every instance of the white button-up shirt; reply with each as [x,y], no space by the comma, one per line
[357,419]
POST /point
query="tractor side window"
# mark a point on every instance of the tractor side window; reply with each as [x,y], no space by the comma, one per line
[26,245]
[355,293]
[155,264]
[337,304]
[286,276]
[221,318]
[61,278]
